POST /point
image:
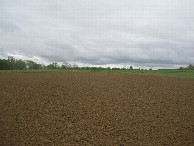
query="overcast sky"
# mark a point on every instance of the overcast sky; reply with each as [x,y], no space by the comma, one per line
[142,33]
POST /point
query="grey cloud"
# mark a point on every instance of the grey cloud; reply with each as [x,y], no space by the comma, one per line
[144,33]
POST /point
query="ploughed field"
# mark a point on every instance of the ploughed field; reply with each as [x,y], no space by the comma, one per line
[95,109]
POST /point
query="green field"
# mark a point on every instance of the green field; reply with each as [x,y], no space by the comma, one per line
[169,73]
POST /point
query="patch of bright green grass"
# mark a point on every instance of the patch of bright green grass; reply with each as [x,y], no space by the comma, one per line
[168,73]
[40,71]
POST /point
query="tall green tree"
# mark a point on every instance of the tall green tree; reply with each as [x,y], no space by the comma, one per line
[33,65]
[54,65]
[191,66]
[20,64]
[4,64]
[11,62]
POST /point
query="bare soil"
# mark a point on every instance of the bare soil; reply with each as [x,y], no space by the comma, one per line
[95,109]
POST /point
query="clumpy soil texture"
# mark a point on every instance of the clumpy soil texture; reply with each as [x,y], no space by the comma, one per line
[95,109]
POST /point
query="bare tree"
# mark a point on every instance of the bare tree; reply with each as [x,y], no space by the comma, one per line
[66,65]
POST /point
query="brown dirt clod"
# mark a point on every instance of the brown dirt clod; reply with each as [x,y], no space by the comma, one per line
[95,109]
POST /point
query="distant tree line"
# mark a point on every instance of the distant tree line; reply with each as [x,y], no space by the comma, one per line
[12,64]
[18,64]
[190,67]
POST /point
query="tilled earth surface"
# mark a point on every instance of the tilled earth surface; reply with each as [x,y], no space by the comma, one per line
[95,109]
